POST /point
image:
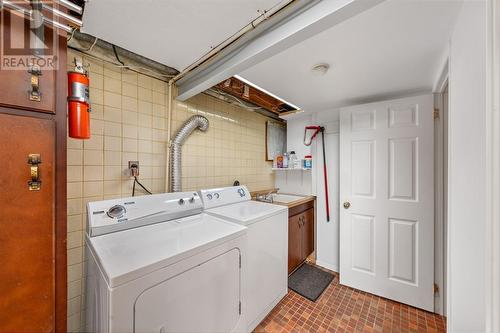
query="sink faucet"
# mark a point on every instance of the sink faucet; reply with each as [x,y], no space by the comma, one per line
[266,197]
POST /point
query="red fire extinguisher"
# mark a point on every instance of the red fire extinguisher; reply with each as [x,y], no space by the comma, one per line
[78,103]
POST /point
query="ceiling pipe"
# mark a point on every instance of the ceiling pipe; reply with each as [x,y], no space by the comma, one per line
[28,14]
[83,42]
[37,37]
[249,27]
[71,6]
[75,21]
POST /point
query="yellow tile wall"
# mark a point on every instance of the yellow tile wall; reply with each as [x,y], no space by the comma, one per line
[129,122]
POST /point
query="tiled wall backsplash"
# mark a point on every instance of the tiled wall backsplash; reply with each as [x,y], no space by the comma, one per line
[129,122]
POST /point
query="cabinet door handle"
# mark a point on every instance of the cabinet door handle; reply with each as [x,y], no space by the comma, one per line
[35,182]
[300,221]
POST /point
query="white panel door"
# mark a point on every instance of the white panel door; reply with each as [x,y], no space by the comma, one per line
[387,200]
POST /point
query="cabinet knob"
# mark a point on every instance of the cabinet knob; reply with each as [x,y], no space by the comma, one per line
[301,221]
[347,204]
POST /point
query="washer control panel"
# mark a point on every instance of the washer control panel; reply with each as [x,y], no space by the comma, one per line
[224,196]
[120,214]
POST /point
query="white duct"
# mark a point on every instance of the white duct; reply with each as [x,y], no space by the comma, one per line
[195,122]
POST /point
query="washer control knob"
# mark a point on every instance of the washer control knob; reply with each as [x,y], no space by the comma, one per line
[116,211]
[181,201]
[216,195]
[209,196]
[191,200]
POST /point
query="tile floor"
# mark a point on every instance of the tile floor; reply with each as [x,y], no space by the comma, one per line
[343,309]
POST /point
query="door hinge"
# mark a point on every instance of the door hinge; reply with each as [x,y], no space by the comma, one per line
[436,114]
[239,307]
[436,289]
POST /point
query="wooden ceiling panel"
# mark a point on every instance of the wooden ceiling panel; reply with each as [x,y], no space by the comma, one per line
[240,89]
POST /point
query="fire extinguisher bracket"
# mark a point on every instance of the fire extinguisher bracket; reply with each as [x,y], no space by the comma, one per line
[77,99]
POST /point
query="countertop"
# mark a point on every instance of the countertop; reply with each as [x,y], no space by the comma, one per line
[289,204]
[296,202]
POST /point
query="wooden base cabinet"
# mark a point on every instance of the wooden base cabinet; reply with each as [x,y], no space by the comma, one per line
[300,234]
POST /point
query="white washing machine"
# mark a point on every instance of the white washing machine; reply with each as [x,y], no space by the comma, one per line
[159,264]
[267,246]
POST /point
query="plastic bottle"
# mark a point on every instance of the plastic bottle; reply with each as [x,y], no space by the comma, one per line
[294,162]
[285,160]
[308,162]
[279,161]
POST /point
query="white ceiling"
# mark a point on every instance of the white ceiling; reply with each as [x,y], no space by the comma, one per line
[174,32]
[395,48]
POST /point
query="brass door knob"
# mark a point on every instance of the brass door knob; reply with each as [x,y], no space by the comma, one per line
[347,204]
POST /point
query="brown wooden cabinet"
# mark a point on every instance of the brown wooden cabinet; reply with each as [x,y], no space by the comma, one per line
[300,234]
[33,288]
[294,242]
[27,226]
[15,83]
[307,232]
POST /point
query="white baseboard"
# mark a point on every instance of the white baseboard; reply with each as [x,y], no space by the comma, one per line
[331,267]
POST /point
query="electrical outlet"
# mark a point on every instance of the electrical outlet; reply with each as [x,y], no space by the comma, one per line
[133,166]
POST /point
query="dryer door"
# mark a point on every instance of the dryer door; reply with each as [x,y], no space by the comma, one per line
[205,298]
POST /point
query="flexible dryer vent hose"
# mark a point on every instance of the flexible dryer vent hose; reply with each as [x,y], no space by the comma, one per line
[195,122]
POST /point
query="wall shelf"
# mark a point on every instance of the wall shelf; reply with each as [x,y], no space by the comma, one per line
[290,169]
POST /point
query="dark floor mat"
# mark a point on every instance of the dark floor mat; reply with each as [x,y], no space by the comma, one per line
[309,281]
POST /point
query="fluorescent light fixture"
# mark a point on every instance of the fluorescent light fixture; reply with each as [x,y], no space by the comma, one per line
[265,91]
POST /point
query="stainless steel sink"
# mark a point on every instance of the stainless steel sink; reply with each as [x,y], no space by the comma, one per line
[286,198]
[278,197]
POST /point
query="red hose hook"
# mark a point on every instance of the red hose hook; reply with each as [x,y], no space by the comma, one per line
[321,129]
